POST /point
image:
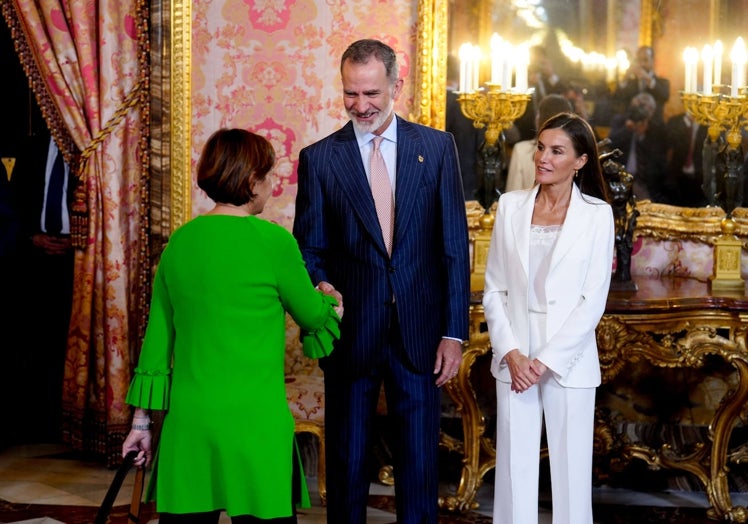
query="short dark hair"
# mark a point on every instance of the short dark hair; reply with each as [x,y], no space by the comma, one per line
[230,160]
[637,113]
[641,107]
[647,49]
[360,51]
[551,105]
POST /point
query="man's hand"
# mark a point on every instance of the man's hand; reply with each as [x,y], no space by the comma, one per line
[51,244]
[329,289]
[448,358]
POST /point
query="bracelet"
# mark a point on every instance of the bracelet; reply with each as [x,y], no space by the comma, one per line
[142,427]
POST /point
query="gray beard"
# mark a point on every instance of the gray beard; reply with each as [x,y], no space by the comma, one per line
[374,125]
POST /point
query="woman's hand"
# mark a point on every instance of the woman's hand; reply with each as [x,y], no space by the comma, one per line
[525,373]
[539,367]
[329,289]
[139,439]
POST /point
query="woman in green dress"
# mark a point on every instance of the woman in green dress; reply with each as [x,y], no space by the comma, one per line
[213,353]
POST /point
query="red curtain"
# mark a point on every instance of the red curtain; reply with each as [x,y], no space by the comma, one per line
[87,63]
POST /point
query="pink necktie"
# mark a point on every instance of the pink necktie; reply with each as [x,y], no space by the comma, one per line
[381,190]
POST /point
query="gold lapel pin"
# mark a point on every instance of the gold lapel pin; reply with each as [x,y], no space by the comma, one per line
[420,159]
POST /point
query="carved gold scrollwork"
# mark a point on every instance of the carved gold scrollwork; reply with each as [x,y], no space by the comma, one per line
[701,224]
[670,341]
[494,109]
[479,452]
[683,344]
[669,338]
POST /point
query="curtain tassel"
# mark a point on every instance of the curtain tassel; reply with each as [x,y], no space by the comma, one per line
[79,218]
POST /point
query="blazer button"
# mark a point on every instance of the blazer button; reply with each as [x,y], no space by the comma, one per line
[391,269]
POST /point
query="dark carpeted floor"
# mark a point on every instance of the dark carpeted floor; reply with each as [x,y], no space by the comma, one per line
[604,514]
[69,514]
[610,514]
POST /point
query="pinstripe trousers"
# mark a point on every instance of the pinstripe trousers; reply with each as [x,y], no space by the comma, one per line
[413,408]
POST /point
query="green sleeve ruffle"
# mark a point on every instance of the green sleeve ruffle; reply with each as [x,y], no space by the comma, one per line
[150,389]
[319,343]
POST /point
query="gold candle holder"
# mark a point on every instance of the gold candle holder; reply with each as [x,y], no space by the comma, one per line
[722,113]
[494,109]
[719,112]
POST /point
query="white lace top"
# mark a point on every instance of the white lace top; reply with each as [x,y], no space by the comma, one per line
[542,241]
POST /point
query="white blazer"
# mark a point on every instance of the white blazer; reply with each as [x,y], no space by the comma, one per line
[576,288]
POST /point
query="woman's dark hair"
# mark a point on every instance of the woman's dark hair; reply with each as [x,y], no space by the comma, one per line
[590,178]
[231,159]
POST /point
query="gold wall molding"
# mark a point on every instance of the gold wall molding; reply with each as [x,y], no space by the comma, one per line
[181,114]
[701,224]
[646,22]
[430,93]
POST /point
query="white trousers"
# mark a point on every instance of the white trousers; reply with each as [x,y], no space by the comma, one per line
[569,415]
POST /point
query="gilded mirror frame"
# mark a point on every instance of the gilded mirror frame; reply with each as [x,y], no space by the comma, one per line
[429,104]
[432,48]
[656,220]
[429,108]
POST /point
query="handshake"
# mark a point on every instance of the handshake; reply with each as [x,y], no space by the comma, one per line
[329,289]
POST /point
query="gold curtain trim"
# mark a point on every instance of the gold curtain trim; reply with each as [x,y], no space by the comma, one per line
[50,113]
[57,127]
[130,101]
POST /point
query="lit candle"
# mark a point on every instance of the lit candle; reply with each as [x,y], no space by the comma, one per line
[687,70]
[523,62]
[694,59]
[690,58]
[475,68]
[497,59]
[506,74]
[623,64]
[717,51]
[706,56]
[469,70]
[464,66]
[737,56]
[610,68]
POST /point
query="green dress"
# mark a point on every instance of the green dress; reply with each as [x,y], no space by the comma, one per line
[213,358]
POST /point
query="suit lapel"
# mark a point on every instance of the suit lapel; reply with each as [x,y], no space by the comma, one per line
[349,171]
[521,221]
[409,165]
[573,223]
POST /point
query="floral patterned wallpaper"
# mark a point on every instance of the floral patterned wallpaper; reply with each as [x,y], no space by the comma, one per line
[273,67]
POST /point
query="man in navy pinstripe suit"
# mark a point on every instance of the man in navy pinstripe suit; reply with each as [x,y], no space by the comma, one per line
[406,308]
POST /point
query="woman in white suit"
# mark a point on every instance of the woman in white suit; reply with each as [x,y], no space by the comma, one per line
[547,279]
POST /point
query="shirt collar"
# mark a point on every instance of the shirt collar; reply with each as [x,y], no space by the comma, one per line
[390,133]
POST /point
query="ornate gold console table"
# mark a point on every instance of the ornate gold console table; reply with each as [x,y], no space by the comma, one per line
[667,323]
